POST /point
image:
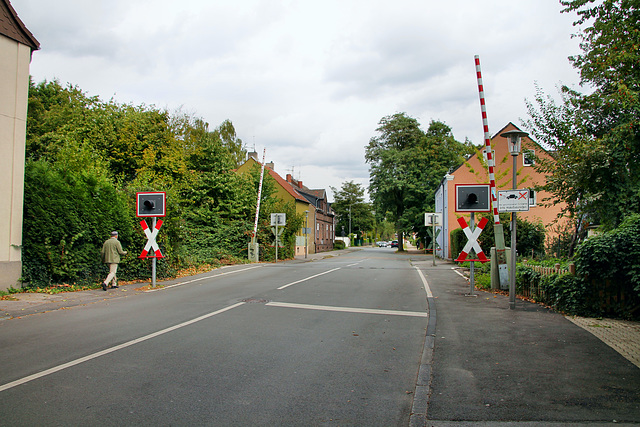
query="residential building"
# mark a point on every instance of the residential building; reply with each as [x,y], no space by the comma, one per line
[16,46]
[286,191]
[323,215]
[475,171]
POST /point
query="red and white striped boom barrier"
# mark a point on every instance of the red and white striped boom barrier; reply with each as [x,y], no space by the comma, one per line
[487,144]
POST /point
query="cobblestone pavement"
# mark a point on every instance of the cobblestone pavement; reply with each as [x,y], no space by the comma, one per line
[623,336]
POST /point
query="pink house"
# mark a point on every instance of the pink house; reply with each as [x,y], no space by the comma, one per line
[475,171]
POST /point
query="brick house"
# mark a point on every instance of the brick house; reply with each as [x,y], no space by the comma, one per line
[475,171]
[312,204]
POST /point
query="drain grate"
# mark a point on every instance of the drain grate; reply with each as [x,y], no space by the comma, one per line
[255,300]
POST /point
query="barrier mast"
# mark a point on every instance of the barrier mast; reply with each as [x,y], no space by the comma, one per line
[497,227]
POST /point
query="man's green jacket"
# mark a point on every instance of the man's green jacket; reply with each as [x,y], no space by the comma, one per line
[111,251]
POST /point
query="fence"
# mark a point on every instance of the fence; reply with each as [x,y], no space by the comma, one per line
[530,287]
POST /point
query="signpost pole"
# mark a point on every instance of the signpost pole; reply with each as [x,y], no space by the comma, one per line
[153,260]
[277,241]
[433,242]
[472,283]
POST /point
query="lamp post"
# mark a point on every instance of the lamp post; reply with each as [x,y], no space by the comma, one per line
[514,142]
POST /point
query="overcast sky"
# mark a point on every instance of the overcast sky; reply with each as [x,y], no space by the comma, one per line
[309,80]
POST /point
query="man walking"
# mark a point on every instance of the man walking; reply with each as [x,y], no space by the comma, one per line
[111,251]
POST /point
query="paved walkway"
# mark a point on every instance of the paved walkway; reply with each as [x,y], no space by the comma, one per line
[622,336]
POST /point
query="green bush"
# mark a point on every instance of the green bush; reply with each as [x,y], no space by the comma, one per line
[339,245]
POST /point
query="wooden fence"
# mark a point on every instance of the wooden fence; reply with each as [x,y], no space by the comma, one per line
[532,290]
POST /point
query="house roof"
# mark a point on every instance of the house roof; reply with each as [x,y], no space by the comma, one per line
[12,27]
[281,181]
[287,187]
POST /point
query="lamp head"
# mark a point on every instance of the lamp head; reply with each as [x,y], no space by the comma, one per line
[514,137]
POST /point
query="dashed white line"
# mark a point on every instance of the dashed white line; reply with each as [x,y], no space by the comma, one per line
[348,309]
[307,278]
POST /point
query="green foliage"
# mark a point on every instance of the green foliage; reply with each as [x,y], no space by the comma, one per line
[611,260]
[566,293]
[595,138]
[339,245]
[67,216]
[351,209]
[607,280]
[87,158]
[406,166]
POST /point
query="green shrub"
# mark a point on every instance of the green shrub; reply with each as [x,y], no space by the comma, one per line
[339,245]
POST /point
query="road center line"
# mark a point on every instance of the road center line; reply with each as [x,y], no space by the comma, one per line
[203,278]
[348,309]
[424,282]
[307,278]
[112,349]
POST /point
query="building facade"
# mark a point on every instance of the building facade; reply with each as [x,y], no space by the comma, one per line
[16,47]
[475,171]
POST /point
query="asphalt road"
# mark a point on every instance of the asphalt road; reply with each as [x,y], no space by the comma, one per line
[332,342]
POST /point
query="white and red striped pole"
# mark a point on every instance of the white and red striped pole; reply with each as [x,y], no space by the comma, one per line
[498,232]
[487,144]
[255,224]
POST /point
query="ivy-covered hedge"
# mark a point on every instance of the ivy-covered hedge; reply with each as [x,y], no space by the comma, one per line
[607,279]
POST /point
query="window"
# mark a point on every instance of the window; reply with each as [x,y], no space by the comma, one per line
[528,157]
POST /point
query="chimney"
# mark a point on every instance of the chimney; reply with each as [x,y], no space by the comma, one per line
[252,155]
[270,165]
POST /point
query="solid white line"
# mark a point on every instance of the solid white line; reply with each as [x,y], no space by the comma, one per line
[460,274]
[203,278]
[112,349]
[425,283]
[308,278]
[349,309]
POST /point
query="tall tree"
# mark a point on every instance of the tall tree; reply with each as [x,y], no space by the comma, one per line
[353,212]
[406,166]
[595,138]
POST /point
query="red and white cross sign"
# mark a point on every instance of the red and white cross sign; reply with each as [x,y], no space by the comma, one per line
[473,241]
[151,242]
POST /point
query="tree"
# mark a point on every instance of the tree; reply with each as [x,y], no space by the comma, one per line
[353,213]
[406,166]
[595,138]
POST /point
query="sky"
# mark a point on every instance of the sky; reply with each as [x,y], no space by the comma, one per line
[308,80]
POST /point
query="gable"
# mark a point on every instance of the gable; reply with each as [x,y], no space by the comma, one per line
[12,27]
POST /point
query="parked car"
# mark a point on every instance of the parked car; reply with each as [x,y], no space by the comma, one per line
[382,244]
[394,244]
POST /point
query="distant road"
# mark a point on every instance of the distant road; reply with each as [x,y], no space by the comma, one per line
[337,341]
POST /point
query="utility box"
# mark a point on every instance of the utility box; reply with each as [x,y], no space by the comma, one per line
[500,272]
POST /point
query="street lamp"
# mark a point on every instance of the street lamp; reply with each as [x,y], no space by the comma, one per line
[514,142]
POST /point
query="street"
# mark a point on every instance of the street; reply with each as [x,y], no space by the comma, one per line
[335,341]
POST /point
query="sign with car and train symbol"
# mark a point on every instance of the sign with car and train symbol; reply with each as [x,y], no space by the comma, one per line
[513,200]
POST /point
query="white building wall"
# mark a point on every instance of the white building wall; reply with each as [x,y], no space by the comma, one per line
[14,93]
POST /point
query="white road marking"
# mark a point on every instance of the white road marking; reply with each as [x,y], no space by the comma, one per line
[112,349]
[459,274]
[305,279]
[203,278]
[425,283]
[349,309]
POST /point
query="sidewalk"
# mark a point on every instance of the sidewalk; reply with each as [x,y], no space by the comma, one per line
[495,366]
